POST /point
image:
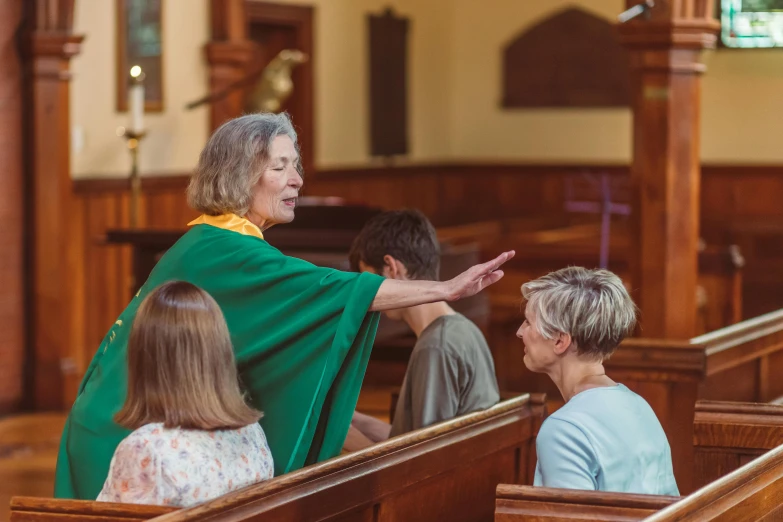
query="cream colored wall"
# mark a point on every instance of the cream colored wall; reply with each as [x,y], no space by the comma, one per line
[482,129]
[341,85]
[342,82]
[175,136]
[454,91]
[742,106]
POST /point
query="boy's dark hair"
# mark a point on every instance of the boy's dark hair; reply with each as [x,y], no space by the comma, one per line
[406,235]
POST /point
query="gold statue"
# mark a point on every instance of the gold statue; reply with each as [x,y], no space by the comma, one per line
[273,84]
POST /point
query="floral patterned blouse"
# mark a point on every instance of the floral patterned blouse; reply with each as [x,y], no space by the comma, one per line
[177,467]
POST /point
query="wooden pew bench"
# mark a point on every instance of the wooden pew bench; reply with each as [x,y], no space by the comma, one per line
[32,509]
[750,493]
[449,469]
[728,435]
[515,503]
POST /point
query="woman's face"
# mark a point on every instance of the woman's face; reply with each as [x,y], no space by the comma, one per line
[275,194]
[540,352]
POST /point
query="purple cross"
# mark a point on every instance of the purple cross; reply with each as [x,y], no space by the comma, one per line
[604,206]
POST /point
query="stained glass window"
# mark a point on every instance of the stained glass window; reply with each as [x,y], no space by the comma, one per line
[752,23]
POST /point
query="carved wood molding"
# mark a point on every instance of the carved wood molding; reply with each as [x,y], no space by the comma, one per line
[684,24]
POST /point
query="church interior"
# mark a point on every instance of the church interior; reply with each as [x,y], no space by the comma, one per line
[632,135]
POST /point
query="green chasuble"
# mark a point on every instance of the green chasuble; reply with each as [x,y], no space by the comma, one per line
[302,337]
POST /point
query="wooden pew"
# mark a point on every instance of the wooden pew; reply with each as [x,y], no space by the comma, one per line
[447,472]
[514,503]
[728,435]
[32,509]
[416,476]
[750,493]
[753,492]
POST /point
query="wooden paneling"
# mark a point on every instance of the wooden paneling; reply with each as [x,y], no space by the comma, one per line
[105,205]
[12,311]
[450,194]
[728,435]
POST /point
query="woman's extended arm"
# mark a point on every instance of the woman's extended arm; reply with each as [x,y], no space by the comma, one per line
[395,294]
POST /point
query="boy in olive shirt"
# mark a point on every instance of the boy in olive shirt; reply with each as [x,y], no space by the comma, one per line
[450,372]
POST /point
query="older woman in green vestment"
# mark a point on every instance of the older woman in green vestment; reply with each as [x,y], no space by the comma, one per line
[302,334]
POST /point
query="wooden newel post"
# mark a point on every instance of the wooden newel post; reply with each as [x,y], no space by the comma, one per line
[665,45]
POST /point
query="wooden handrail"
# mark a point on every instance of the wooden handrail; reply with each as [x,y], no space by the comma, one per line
[78,509]
[731,407]
[670,354]
[348,466]
[745,331]
[592,498]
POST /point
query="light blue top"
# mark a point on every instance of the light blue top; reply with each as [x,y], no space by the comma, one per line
[605,439]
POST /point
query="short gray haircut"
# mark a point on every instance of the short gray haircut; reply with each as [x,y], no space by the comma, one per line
[592,306]
[233,160]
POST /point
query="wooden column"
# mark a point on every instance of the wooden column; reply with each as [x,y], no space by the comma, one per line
[49,46]
[228,55]
[12,316]
[665,53]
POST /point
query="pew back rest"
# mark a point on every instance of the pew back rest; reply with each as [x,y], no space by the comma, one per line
[448,471]
[524,503]
[728,435]
[30,509]
[750,493]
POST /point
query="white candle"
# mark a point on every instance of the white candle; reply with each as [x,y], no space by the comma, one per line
[136,101]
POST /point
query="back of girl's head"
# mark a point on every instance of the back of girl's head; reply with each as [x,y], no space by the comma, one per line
[181,367]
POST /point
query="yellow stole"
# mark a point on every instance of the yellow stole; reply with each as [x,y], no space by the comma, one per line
[229,222]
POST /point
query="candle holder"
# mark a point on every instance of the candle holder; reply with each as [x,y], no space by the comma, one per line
[133,135]
[133,140]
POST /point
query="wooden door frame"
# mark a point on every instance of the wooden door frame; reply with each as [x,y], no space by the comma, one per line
[230,50]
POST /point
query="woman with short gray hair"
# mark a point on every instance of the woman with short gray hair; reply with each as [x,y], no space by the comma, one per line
[605,437]
[302,334]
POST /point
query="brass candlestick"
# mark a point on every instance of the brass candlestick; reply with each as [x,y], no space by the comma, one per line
[133,139]
[133,135]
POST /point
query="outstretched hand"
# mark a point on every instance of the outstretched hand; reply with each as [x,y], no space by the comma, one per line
[477,278]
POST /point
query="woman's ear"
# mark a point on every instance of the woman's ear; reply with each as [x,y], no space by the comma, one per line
[562,343]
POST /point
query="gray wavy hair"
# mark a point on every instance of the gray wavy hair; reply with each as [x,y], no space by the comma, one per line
[233,160]
[592,306]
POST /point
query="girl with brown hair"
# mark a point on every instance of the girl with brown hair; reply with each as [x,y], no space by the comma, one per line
[195,438]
